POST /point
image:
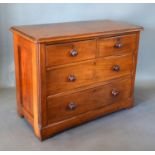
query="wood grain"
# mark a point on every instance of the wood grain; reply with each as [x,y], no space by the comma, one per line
[108,46]
[87,100]
[26,59]
[70,73]
[57,127]
[87,73]
[62,52]
[17,75]
[24,81]
[72,30]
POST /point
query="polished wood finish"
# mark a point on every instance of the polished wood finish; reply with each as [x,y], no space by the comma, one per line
[27,87]
[54,128]
[66,106]
[117,45]
[86,73]
[70,73]
[70,52]
[73,30]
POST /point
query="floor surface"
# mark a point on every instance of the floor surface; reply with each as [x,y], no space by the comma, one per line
[131,129]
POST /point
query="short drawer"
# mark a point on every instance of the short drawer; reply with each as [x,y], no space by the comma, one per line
[117,45]
[63,107]
[86,73]
[70,52]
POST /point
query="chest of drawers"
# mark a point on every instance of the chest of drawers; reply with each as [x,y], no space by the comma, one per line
[70,73]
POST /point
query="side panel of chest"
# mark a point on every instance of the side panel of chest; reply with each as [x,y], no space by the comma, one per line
[27,81]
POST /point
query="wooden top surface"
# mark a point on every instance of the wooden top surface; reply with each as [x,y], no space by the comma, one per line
[68,30]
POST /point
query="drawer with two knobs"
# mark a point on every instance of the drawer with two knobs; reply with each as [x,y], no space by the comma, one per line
[87,73]
[68,105]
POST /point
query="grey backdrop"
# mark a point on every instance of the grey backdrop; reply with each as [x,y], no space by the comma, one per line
[20,14]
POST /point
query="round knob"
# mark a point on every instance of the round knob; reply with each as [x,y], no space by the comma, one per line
[118,45]
[72,106]
[71,78]
[115,93]
[116,68]
[73,53]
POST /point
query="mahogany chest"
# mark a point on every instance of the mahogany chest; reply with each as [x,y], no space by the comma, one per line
[70,73]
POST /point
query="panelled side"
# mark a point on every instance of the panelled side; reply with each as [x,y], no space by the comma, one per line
[27,83]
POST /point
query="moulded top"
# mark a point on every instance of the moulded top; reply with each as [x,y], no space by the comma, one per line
[73,30]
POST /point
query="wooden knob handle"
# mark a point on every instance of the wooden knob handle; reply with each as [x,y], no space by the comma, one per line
[73,53]
[72,106]
[71,78]
[115,93]
[118,45]
[116,68]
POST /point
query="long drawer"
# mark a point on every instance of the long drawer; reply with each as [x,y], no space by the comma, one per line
[86,73]
[65,106]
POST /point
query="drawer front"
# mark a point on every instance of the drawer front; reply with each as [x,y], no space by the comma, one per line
[117,45]
[83,74]
[113,67]
[63,107]
[67,78]
[70,52]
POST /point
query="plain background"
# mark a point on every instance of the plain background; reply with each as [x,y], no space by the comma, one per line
[23,14]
